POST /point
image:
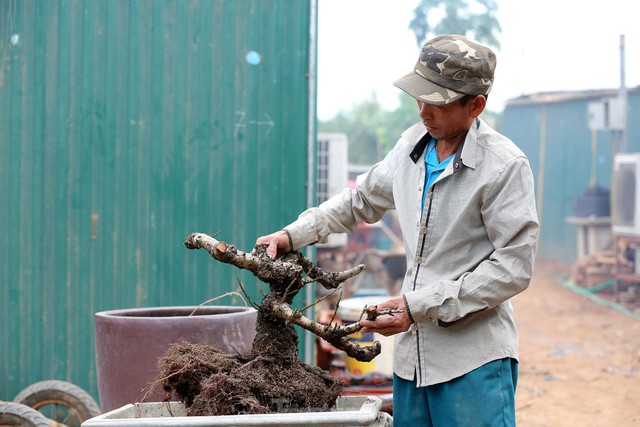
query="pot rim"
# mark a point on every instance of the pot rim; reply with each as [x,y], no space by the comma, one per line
[205,311]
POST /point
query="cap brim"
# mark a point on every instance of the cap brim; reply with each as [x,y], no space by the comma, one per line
[425,90]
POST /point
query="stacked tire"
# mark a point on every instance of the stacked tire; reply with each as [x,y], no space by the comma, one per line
[16,414]
[40,403]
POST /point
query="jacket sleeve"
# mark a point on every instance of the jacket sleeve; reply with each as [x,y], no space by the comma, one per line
[368,201]
[511,223]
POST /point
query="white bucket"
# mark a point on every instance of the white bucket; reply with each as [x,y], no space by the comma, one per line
[349,311]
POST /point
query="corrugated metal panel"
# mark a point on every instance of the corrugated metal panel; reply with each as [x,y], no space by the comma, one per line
[125,126]
[633,122]
[555,136]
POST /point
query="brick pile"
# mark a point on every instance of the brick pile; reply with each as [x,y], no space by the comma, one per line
[597,268]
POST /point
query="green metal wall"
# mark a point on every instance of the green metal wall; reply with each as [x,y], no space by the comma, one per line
[124,126]
[558,142]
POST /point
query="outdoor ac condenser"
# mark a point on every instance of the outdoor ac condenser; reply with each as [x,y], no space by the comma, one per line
[332,175]
[626,194]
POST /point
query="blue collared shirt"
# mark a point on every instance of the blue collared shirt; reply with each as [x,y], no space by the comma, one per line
[433,167]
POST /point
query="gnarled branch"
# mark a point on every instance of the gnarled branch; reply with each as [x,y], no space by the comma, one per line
[266,269]
[334,334]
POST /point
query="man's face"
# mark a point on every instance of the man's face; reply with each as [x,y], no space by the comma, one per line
[447,122]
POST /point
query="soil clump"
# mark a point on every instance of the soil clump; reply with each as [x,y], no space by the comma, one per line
[210,382]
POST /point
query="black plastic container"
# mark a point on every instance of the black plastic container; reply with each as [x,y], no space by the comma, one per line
[596,201]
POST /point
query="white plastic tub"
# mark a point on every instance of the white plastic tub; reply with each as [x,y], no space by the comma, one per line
[350,411]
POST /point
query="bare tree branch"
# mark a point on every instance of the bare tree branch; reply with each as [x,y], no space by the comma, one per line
[334,334]
[247,261]
[266,269]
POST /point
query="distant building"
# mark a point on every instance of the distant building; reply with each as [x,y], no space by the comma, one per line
[569,147]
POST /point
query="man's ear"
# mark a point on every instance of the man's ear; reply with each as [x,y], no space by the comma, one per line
[477,105]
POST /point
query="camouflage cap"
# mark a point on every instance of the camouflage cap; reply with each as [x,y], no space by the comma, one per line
[450,67]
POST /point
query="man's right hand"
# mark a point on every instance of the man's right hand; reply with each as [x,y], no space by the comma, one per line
[278,243]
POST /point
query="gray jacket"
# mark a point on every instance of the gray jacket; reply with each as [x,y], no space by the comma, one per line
[471,249]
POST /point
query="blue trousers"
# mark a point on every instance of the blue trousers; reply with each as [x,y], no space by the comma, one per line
[483,397]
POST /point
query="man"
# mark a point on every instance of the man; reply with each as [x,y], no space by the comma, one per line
[464,198]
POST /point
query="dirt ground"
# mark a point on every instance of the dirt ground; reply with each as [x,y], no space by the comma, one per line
[579,360]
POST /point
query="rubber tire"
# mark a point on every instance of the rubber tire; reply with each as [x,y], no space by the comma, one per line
[62,393]
[16,414]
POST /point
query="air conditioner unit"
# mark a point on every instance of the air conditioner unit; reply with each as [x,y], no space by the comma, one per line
[626,194]
[332,175]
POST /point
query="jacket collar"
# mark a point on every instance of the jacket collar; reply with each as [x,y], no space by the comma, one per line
[465,155]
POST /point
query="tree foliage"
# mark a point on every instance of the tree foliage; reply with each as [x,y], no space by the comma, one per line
[371,130]
[361,124]
[473,18]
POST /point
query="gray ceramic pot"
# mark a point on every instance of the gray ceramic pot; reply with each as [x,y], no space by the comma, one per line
[130,341]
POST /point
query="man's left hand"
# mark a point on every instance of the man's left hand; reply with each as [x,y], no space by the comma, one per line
[388,325]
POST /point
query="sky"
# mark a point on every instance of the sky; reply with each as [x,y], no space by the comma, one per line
[546,45]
